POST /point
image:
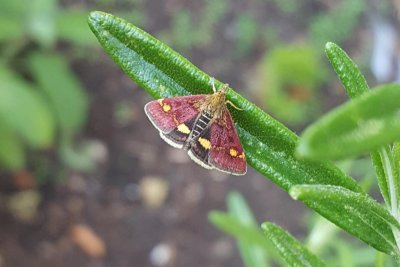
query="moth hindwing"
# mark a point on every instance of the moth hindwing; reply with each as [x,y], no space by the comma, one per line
[202,125]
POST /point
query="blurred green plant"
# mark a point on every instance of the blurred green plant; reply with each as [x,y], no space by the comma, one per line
[240,222]
[288,79]
[42,103]
[272,244]
[288,6]
[190,30]
[246,34]
[337,23]
[255,249]
[271,149]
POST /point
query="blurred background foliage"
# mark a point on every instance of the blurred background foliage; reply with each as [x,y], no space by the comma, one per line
[270,51]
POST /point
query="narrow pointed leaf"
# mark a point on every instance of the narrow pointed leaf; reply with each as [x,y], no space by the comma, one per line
[391,174]
[251,235]
[65,94]
[355,85]
[354,212]
[238,208]
[23,108]
[252,255]
[396,154]
[162,73]
[396,168]
[348,72]
[365,124]
[12,154]
[291,250]
[230,225]
[380,174]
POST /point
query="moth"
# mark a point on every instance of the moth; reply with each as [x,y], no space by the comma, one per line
[203,126]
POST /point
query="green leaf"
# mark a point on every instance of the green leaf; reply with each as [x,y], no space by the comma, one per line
[24,110]
[40,21]
[12,14]
[396,158]
[249,235]
[291,250]
[365,124]
[356,213]
[252,255]
[396,153]
[162,72]
[380,174]
[12,154]
[63,90]
[356,85]
[396,169]
[232,226]
[10,29]
[239,209]
[348,72]
[391,174]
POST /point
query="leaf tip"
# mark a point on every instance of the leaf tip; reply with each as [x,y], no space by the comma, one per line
[95,16]
[265,226]
[302,149]
[329,45]
[295,192]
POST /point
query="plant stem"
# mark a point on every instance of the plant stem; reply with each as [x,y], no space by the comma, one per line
[387,165]
[390,180]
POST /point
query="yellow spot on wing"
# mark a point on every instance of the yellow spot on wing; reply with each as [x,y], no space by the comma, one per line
[233,152]
[242,155]
[160,101]
[166,107]
[205,143]
[183,128]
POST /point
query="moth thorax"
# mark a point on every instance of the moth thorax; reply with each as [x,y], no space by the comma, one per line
[214,105]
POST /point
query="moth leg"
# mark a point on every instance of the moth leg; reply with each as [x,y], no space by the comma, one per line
[233,105]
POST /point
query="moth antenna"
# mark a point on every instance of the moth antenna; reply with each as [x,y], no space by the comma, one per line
[213,84]
[223,89]
[233,105]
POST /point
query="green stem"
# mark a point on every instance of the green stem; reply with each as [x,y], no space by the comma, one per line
[387,165]
[390,181]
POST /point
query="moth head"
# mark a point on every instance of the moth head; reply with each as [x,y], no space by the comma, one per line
[214,104]
[224,88]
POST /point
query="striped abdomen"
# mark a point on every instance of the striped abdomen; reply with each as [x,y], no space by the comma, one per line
[200,125]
